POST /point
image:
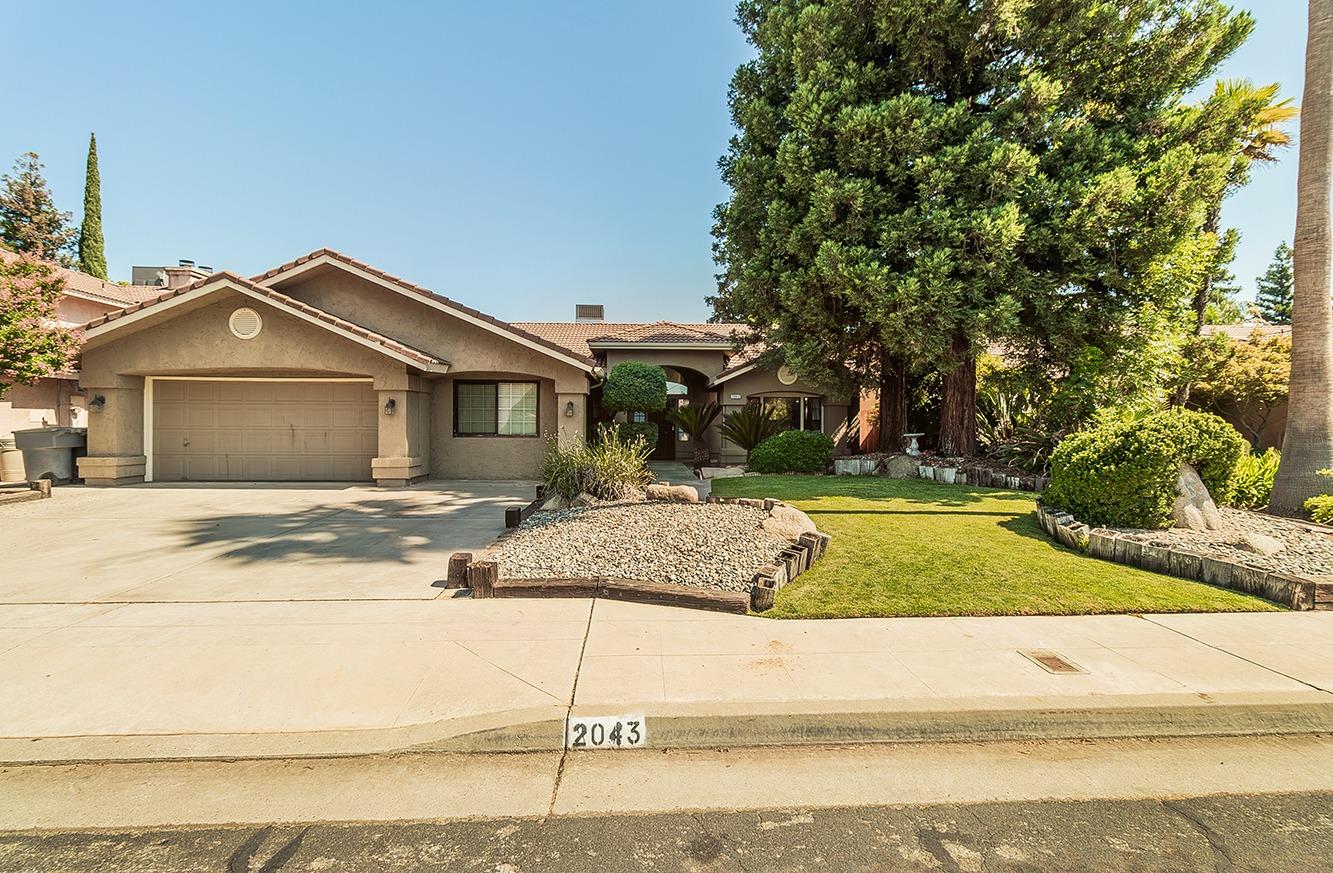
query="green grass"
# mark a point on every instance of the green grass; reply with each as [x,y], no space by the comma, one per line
[912,547]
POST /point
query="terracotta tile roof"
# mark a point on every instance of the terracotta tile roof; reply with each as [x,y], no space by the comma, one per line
[83,285]
[739,361]
[576,335]
[410,287]
[1244,331]
[282,300]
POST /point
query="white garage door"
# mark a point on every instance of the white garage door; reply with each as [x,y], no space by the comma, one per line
[320,431]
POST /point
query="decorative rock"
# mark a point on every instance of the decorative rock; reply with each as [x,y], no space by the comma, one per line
[555,501]
[788,522]
[586,499]
[901,467]
[1192,494]
[1261,544]
[677,493]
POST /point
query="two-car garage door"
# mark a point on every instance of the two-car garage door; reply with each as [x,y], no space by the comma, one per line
[273,430]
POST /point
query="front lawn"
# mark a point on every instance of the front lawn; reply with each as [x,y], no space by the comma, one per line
[913,547]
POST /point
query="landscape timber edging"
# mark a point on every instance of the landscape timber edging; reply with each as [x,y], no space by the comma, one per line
[482,575]
[946,474]
[1291,590]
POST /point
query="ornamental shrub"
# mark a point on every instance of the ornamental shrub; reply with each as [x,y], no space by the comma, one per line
[633,386]
[1123,474]
[639,430]
[1321,507]
[608,468]
[793,451]
[1254,479]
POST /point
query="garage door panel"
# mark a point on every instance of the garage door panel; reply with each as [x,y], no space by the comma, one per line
[263,431]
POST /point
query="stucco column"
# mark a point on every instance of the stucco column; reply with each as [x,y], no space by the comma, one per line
[404,436]
[570,420]
[116,445]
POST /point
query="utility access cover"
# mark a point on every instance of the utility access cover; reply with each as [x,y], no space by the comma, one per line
[1051,662]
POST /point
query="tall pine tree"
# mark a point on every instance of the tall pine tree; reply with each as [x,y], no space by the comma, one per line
[92,246]
[1274,297]
[913,179]
[29,221]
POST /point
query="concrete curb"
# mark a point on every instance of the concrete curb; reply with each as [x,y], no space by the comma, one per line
[740,725]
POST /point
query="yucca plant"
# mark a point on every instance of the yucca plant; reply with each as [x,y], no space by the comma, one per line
[748,427]
[695,419]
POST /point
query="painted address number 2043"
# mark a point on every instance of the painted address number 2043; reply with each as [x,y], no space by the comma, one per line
[606,732]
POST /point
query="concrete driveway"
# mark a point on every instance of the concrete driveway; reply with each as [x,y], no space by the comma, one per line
[245,542]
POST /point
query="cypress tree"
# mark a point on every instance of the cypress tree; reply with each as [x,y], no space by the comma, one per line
[92,246]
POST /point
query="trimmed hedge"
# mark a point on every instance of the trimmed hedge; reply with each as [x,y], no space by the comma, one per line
[793,451]
[633,386]
[633,430]
[1124,474]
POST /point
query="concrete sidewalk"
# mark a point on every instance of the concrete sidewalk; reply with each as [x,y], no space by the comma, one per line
[168,680]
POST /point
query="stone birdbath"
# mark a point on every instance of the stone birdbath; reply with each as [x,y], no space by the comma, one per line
[913,448]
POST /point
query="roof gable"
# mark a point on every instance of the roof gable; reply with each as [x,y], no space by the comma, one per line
[225,281]
[321,257]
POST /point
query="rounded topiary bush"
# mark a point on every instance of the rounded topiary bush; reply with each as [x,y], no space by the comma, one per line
[793,451]
[633,386]
[633,430]
[1124,474]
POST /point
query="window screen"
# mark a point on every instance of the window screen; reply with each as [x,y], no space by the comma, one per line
[495,408]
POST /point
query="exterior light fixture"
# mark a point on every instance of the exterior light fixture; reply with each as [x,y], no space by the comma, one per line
[390,405]
[97,404]
[569,409]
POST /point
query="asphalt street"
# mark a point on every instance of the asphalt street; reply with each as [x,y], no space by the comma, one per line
[1222,833]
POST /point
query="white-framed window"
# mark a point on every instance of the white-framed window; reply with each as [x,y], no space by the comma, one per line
[495,408]
[801,412]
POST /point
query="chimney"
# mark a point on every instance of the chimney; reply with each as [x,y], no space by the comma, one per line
[184,274]
[589,312]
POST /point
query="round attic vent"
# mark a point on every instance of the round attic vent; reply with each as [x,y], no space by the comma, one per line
[245,323]
[786,376]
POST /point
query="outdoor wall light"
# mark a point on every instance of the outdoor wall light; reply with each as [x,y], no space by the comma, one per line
[97,404]
[569,409]
[390,405]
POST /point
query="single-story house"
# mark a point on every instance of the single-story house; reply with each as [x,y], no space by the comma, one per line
[326,368]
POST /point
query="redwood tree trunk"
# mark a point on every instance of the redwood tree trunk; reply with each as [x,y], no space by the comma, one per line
[1308,445]
[958,404]
[892,403]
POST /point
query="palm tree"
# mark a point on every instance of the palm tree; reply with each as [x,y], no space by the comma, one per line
[695,419]
[1261,134]
[1308,445]
[747,427]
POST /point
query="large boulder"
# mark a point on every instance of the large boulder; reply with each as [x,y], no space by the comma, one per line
[1260,544]
[676,493]
[788,522]
[1194,508]
[902,467]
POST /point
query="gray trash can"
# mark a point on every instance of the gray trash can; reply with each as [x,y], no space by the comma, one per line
[49,452]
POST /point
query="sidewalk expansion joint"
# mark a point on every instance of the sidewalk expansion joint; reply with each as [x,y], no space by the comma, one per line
[1238,657]
[569,710]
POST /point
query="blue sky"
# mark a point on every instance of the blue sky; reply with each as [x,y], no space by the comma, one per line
[520,157]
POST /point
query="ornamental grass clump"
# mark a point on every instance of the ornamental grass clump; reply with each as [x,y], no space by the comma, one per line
[1254,479]
[608,468]
[793,451]
[1123,474]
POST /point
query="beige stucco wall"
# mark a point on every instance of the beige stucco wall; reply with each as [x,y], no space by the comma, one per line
[710,363]
[495,457]
[735,393]
[76,310]
[467,347]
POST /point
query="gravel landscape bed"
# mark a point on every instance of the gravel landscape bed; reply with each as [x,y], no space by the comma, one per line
[1308,550]
[706,545]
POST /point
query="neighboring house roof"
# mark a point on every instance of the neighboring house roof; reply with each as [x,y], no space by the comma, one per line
[79,284]
[1245,331]
[582,337]
[584,361]
[224,280]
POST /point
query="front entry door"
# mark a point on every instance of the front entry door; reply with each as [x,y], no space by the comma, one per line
[666,432]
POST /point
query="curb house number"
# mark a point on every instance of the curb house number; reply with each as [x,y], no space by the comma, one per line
[606,732]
